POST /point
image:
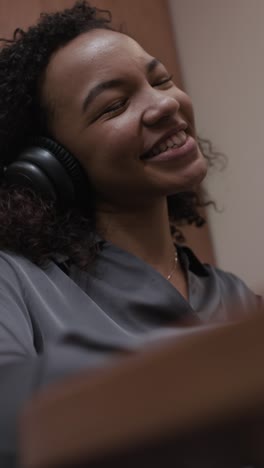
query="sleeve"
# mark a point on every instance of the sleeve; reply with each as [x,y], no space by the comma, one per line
[234,289]
[22,370]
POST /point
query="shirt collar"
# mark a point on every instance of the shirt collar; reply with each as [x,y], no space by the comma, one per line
[191,262]
[186,256]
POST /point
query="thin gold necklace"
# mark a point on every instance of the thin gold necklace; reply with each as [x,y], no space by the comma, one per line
[174,266]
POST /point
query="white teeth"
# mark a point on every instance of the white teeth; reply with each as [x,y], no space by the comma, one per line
[170,143]
[182,136]
[163,146]
[175,140]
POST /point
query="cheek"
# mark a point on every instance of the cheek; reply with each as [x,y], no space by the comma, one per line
[115,139]
[187,108]
[66,133]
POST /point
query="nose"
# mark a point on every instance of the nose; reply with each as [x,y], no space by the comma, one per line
[159,108]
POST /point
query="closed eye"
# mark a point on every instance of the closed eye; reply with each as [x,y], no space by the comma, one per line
[164,81]
[115,107]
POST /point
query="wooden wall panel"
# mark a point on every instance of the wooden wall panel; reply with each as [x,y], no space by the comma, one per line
[148,22]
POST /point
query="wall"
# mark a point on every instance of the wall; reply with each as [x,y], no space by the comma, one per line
[220,49]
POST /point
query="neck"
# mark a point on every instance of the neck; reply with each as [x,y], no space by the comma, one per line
[143,232]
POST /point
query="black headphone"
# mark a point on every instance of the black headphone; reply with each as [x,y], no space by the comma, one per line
[50,170]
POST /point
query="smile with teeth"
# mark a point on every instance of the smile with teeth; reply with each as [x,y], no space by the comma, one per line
[174,141]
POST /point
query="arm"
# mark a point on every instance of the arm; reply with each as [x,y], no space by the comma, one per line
[24,369]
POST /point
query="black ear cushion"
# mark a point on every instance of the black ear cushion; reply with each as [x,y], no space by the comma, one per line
[49,169]
[26,174]
[68,161]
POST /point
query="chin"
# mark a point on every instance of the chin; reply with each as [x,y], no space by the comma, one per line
[190,179]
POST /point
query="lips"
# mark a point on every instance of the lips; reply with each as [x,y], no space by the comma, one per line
[174,138]
[175,141]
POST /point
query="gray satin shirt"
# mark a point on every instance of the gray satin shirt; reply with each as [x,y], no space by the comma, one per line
[59,320]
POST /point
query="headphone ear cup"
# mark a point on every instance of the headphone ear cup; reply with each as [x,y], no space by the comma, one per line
[25,174]
[50,170]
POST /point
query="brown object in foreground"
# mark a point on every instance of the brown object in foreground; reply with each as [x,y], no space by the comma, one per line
[196,402]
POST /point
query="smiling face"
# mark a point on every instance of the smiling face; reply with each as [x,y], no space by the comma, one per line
[119,113]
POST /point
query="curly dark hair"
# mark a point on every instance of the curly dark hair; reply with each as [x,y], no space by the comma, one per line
[30,225]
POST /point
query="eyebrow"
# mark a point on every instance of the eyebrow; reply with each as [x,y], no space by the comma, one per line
[111,84]
[152,65]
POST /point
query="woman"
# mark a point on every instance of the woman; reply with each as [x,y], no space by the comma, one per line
[88,264]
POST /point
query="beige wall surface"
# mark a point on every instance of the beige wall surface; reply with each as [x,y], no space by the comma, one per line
[220,46]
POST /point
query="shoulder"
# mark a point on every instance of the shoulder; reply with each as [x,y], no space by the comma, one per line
[232,285]
[238,299]
[227,286]
[18,273]
[15,265]
[10,265]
